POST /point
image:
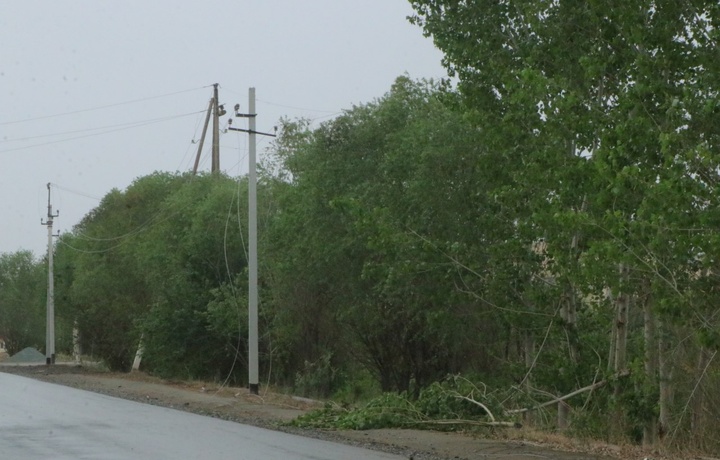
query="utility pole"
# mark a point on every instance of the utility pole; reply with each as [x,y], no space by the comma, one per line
[252,263]
[50,312]
[216,133]
[253,359]
[218,111]
[210,109]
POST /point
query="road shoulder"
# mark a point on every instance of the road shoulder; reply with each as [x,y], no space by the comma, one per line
[271,410]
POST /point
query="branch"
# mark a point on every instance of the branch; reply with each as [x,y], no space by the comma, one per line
[469,422]
[697,384]
[569,395]
[477,403]
[542,345]
[487,302]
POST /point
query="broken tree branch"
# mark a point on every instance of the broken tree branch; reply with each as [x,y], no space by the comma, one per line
[469,422]
[477,403]
[569,395]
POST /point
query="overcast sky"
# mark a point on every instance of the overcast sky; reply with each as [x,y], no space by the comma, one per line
[95,93]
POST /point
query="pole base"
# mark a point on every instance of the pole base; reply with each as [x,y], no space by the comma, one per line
[254,388]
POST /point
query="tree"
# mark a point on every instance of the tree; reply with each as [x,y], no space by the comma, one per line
[377,202]
[193,264]
[628,87]
[104,287]
[23,281]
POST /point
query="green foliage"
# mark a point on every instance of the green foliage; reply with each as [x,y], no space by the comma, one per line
[390,410]
[440,401]
[357,385]
[23,282]
[610,157]
[354,247]
[319,378]
[157,260]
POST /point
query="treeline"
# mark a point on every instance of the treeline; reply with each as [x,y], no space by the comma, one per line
[23,283]
[547,228]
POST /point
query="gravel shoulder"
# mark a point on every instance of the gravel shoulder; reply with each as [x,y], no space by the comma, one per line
[270,410]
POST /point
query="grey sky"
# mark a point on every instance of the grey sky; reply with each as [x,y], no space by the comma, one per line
[309,58]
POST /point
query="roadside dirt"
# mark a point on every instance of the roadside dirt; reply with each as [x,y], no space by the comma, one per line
[270,410]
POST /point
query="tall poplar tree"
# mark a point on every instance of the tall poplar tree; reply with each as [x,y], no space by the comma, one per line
[604,110]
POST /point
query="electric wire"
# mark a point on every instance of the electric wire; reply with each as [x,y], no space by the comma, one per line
[45,117]
[123,128]
[227,266]
[330,113]
[154,219]
[85,251]
[157,218]
[293,107]
[117,125]
[76,192]
[231,283]
[190,145]
[327,116]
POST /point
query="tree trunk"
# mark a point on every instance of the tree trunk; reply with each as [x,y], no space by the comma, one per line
[77,348]
[563,415]
[651,365]
[665,376]
[698,398]
[611,348]
[622,309]
[138,354]
[529,351]
[619,348]
[568,313]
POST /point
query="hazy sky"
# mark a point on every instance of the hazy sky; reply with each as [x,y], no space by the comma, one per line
[95,93]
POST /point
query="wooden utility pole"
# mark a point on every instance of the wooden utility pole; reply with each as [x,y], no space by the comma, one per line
[215,168]
[216,110]
[50,312]
[211,106]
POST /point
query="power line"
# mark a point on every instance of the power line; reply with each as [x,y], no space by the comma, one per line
[162,214]
[295,108]
[190,144]
[118,125]
[327,116]
[76,192]
[285,106]
[135,125]
[44,117]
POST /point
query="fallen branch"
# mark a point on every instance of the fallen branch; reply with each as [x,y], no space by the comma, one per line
[569,395]
[468,422]
[478,403]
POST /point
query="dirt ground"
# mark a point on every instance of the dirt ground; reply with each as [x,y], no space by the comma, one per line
[269,410]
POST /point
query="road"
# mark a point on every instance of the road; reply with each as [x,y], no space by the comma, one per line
[41,420]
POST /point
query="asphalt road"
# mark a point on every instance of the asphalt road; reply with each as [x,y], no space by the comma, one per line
[41,420]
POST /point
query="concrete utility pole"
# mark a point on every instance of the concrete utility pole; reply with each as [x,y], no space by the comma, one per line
[253,349]
[252,263]
[50,317]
